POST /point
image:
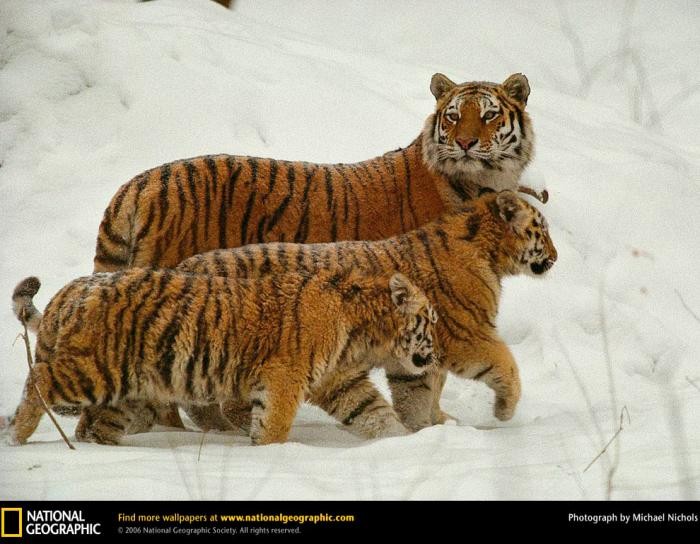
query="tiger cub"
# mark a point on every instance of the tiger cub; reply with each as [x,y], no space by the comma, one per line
[457,260]
[114,339]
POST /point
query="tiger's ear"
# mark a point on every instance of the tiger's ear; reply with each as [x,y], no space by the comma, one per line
[440,84]
[511,210]
[517,87]
[405,296]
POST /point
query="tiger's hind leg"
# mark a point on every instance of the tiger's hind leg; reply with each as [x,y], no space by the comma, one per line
[353,400]
[211,418]
[169,416]
[28,414]
[109,424]
[238,414]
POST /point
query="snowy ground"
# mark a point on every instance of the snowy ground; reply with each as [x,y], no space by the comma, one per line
[91,93]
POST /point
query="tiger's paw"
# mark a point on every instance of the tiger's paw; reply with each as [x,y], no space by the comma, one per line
[395,428]
[384,427]
[4,422]
[503,411]
[7,437]
[443,418]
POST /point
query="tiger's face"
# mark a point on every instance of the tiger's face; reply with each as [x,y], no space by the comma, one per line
[528,245]
[479,127]
[414,344]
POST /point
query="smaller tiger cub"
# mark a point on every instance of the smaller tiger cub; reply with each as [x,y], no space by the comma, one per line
[144,334]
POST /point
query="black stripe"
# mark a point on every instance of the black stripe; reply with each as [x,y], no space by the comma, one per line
[87,387]
[458,188]
[480,374]
[382,182]
[201,337]
[107,257]
[409,198]
[328,176]
[303,228]
[443,237]
[277,214]
[246,216]
[330,203]
[261,230]
[359,409]
[146,228]
[164,200]
[142,328]
[266,265]
[113,237]
[273,177]
[281,254]
[391,167]
[118,200]
[371,256]
[296,306]
[347,189]
[446,287]
[386,251]
[165,346]
[223,211]
[210,183]
[253,163]
[56,385]
[396,378]
[343,389]
[194,199]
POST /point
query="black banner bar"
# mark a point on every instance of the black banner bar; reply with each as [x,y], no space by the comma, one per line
[206,521]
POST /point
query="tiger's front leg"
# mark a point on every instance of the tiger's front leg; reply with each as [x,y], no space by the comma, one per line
[275,400]
[412,395]
[437,416]
[353,400]
[493,364]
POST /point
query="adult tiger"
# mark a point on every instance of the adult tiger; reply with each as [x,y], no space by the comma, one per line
[479,136]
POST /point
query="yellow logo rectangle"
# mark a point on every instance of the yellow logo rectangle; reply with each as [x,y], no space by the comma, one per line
[3,515]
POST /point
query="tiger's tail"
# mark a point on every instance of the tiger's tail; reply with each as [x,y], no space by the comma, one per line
[23,305]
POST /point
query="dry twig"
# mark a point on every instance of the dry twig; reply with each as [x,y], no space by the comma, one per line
[688,308]
[619,430]
[199,454]
[30,363]
[691,382]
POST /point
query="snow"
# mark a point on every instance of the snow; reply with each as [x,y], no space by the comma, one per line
[92,93]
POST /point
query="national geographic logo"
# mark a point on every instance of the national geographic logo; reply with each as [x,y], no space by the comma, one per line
[45,522]
[11,523]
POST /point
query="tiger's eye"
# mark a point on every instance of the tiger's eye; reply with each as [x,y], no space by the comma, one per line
[489,115]
[452,116]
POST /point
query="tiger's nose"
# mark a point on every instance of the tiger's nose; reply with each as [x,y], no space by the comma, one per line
[467,143]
